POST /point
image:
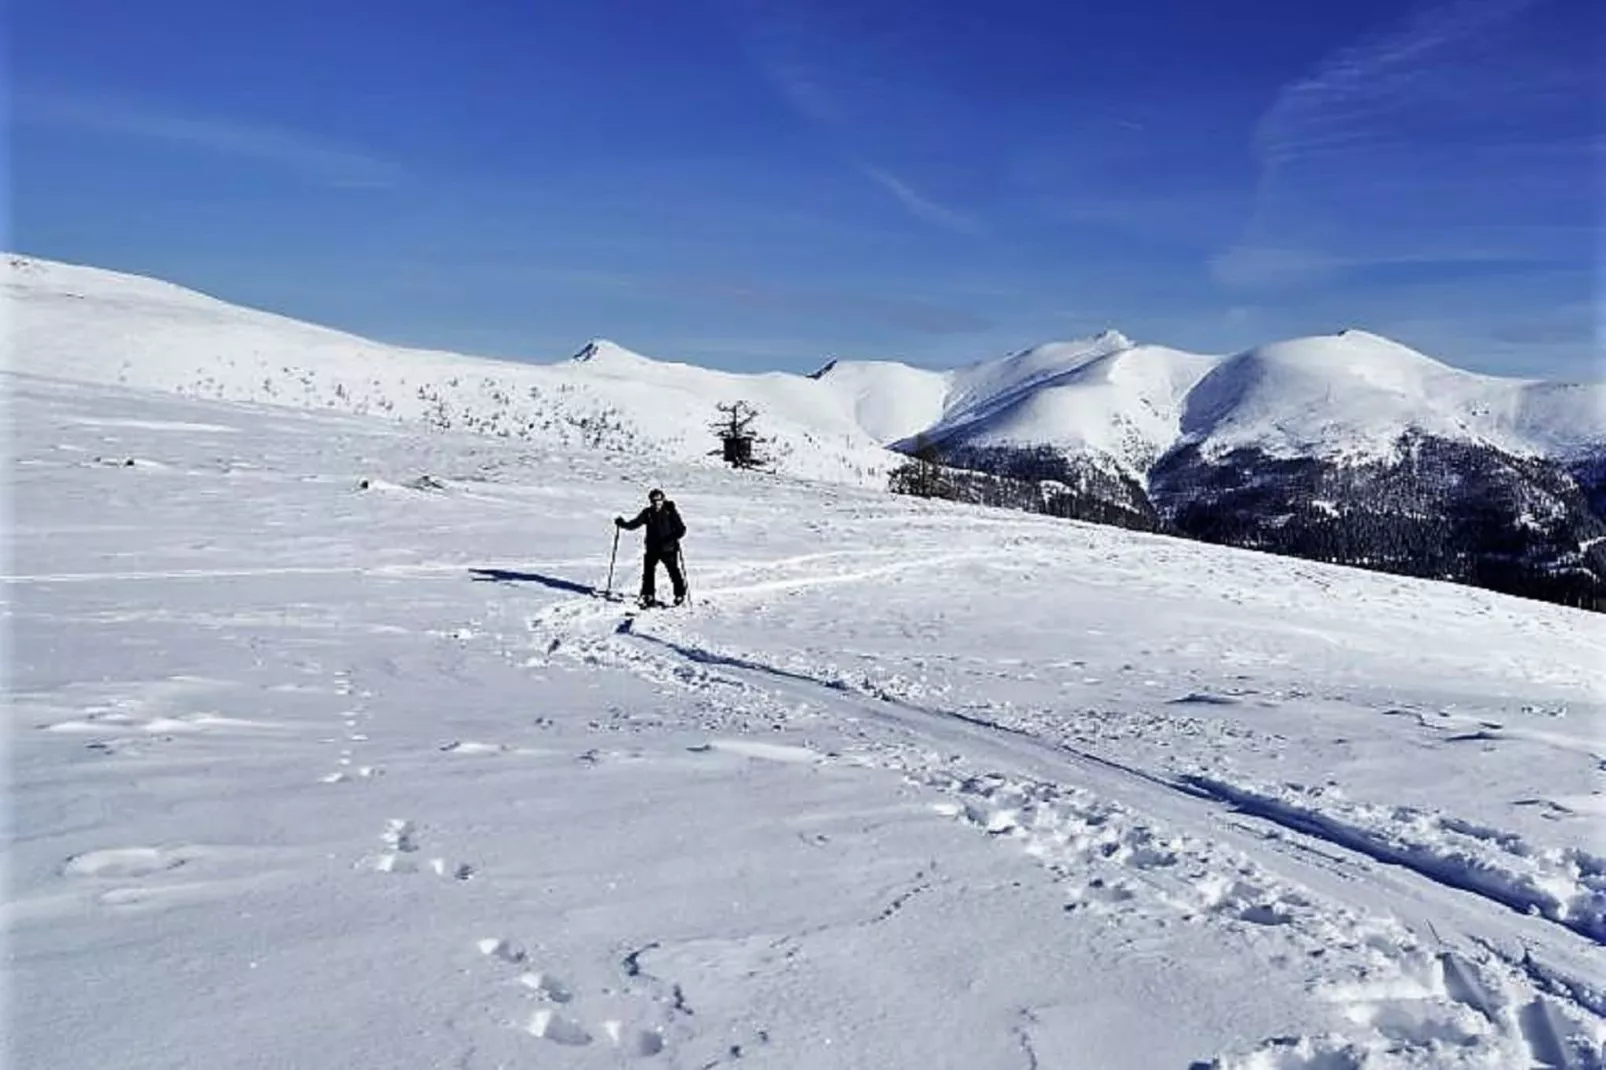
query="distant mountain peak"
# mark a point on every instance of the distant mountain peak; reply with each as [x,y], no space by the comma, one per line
[601,351]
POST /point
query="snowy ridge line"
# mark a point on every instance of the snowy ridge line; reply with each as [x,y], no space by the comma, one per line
[1462,856]
[1351,394]
[85,325]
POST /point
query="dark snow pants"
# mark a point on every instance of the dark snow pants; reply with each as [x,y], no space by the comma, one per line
[649,572]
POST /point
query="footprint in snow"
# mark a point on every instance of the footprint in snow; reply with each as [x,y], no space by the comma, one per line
[1204,698]
[469,747]
[342,776]
[548,1024]
[547,986]
[553,1021]
[401,842]
[1247,901]
[123,862]
[504,950]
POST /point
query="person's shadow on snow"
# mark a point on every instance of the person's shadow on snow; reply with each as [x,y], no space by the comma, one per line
[502,575]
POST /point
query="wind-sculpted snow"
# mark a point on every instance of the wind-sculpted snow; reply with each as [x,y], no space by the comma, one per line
[327,749]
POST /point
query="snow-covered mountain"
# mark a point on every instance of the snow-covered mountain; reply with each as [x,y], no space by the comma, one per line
[90,325]
[1356,396]
[1106,397]
[1349,448]
[1223,447]
[1353,395]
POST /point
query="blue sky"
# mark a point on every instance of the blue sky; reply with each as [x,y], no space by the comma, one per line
[771,183]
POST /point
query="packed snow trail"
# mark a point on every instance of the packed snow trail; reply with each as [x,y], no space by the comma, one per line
[321,754]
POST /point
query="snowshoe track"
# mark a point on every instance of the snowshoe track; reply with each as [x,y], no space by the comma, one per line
[1426,988]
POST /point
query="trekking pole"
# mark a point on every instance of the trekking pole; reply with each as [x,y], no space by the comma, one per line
[611,558]
[685,577]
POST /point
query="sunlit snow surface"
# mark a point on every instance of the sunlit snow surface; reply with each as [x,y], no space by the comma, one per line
[1347,396]
[307,773]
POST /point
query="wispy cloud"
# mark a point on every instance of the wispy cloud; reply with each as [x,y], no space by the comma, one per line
[306,156]
[1460,135]
[1347,101]
[918,205]
[851,80]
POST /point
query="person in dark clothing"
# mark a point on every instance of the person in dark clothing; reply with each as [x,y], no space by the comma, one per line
[665,529]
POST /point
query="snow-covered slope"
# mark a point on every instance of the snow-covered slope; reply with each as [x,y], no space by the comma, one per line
[313,762]
[891,401]
[1356,394]
[1103,396]
[1121,405]
[1352,396]
[90,325]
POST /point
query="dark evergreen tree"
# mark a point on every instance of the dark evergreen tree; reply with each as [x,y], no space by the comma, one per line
[738,442]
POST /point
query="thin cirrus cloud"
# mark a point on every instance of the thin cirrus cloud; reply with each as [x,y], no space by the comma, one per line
[1346,103]
[1458,136]
[845,78]
[304,156]
[918,205]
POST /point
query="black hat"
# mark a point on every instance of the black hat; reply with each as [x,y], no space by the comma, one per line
[654,493]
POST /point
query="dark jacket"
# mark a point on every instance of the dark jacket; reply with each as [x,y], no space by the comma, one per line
[665,529]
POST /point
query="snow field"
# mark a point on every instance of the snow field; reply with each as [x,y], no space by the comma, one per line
[306,772]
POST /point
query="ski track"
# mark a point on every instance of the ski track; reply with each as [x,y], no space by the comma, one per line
[1433,992]
[1483,861]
